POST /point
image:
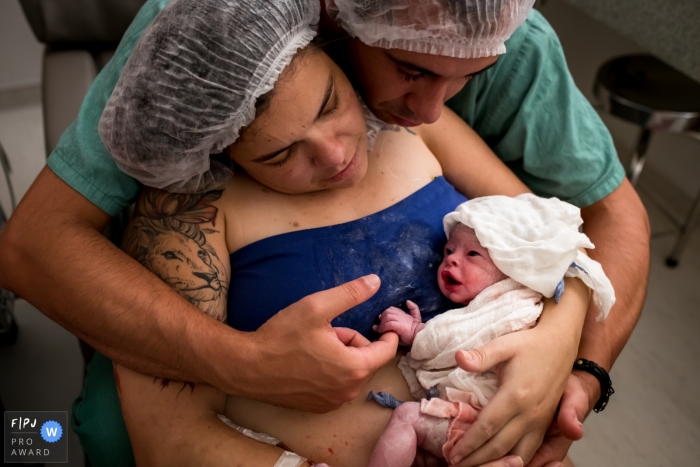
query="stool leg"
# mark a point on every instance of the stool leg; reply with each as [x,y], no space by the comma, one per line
[684,235]
[639,157]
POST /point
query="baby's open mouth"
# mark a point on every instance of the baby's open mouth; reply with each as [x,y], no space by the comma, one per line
[448,279]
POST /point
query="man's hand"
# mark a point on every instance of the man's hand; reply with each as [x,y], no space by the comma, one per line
[568,426]
[405,325]
[298,360]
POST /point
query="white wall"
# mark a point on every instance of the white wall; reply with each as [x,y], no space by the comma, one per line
[20,52]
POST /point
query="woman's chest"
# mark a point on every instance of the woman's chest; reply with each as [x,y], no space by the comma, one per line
[401,244]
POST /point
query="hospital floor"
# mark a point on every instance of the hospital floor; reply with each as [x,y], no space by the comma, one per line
[652,420]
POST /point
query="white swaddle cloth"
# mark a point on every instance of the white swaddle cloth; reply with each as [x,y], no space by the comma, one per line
[504,307]
[535,241]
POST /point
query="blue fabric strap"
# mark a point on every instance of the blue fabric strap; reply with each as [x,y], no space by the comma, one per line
[384,399]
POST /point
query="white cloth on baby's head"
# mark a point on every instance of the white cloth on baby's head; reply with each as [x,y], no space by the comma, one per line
[499,309]
[535,241]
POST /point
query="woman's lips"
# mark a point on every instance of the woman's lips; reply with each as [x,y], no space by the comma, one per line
[347,171]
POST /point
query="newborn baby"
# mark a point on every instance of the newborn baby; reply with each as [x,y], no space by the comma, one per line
[502,256]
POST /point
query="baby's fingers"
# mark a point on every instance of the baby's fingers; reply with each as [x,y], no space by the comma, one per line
[391,310]
[413,310]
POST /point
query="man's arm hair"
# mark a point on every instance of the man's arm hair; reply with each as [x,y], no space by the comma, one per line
[53,254]
[618,225]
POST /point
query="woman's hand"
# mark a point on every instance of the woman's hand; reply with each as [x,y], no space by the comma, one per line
[533,367]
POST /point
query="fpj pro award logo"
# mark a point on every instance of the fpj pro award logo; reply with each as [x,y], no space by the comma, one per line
[36,437]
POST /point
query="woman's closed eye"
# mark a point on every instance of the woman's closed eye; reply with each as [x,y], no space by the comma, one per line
[335,105]
[281,158]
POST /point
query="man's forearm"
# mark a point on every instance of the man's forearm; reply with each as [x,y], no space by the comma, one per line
[68,270]
[52,254]
[619,227]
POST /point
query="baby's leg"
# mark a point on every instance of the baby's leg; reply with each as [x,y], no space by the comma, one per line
[408,428]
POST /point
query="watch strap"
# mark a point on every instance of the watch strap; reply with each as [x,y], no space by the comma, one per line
[606,388]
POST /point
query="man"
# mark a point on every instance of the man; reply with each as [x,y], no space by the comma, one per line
[525,106]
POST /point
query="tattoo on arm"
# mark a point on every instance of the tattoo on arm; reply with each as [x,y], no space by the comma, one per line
[166,235]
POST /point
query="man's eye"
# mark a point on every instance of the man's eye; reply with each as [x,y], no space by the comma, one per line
[410,76]
[473,253]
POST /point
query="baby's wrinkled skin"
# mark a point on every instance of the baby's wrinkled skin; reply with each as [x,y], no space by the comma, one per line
[465,271]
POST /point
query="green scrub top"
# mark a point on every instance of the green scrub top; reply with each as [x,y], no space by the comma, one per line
[526,108]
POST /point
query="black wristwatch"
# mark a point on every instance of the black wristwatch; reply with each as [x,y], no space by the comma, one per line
[606,389]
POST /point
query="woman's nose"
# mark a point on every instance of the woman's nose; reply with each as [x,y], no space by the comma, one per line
[330,152]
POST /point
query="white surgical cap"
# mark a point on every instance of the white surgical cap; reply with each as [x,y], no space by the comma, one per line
[455,28]
[534,241]
[192,82]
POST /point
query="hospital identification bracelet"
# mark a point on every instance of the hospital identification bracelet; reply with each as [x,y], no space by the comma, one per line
[606,389]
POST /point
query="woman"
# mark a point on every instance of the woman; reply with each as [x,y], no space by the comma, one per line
[307,180]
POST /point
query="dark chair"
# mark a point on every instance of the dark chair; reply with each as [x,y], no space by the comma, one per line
[80,38]
[643,90]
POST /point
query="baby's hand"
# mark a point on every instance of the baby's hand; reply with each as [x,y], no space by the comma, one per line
[405,325]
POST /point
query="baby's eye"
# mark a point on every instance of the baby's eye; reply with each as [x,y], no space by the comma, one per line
[448,251]
[473,253]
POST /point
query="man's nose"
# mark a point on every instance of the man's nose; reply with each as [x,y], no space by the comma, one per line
[427,103]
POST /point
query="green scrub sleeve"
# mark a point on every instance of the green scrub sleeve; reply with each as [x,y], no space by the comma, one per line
[80,158]
[529,111]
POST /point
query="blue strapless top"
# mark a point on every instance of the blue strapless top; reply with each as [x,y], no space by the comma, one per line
[402,244]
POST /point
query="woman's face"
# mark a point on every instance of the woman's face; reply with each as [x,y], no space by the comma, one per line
[312,136]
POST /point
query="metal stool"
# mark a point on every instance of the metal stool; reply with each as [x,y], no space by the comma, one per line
[645,91]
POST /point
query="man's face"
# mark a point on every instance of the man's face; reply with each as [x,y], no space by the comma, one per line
[408,88]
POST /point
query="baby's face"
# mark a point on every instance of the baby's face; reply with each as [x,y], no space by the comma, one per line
[466,268]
